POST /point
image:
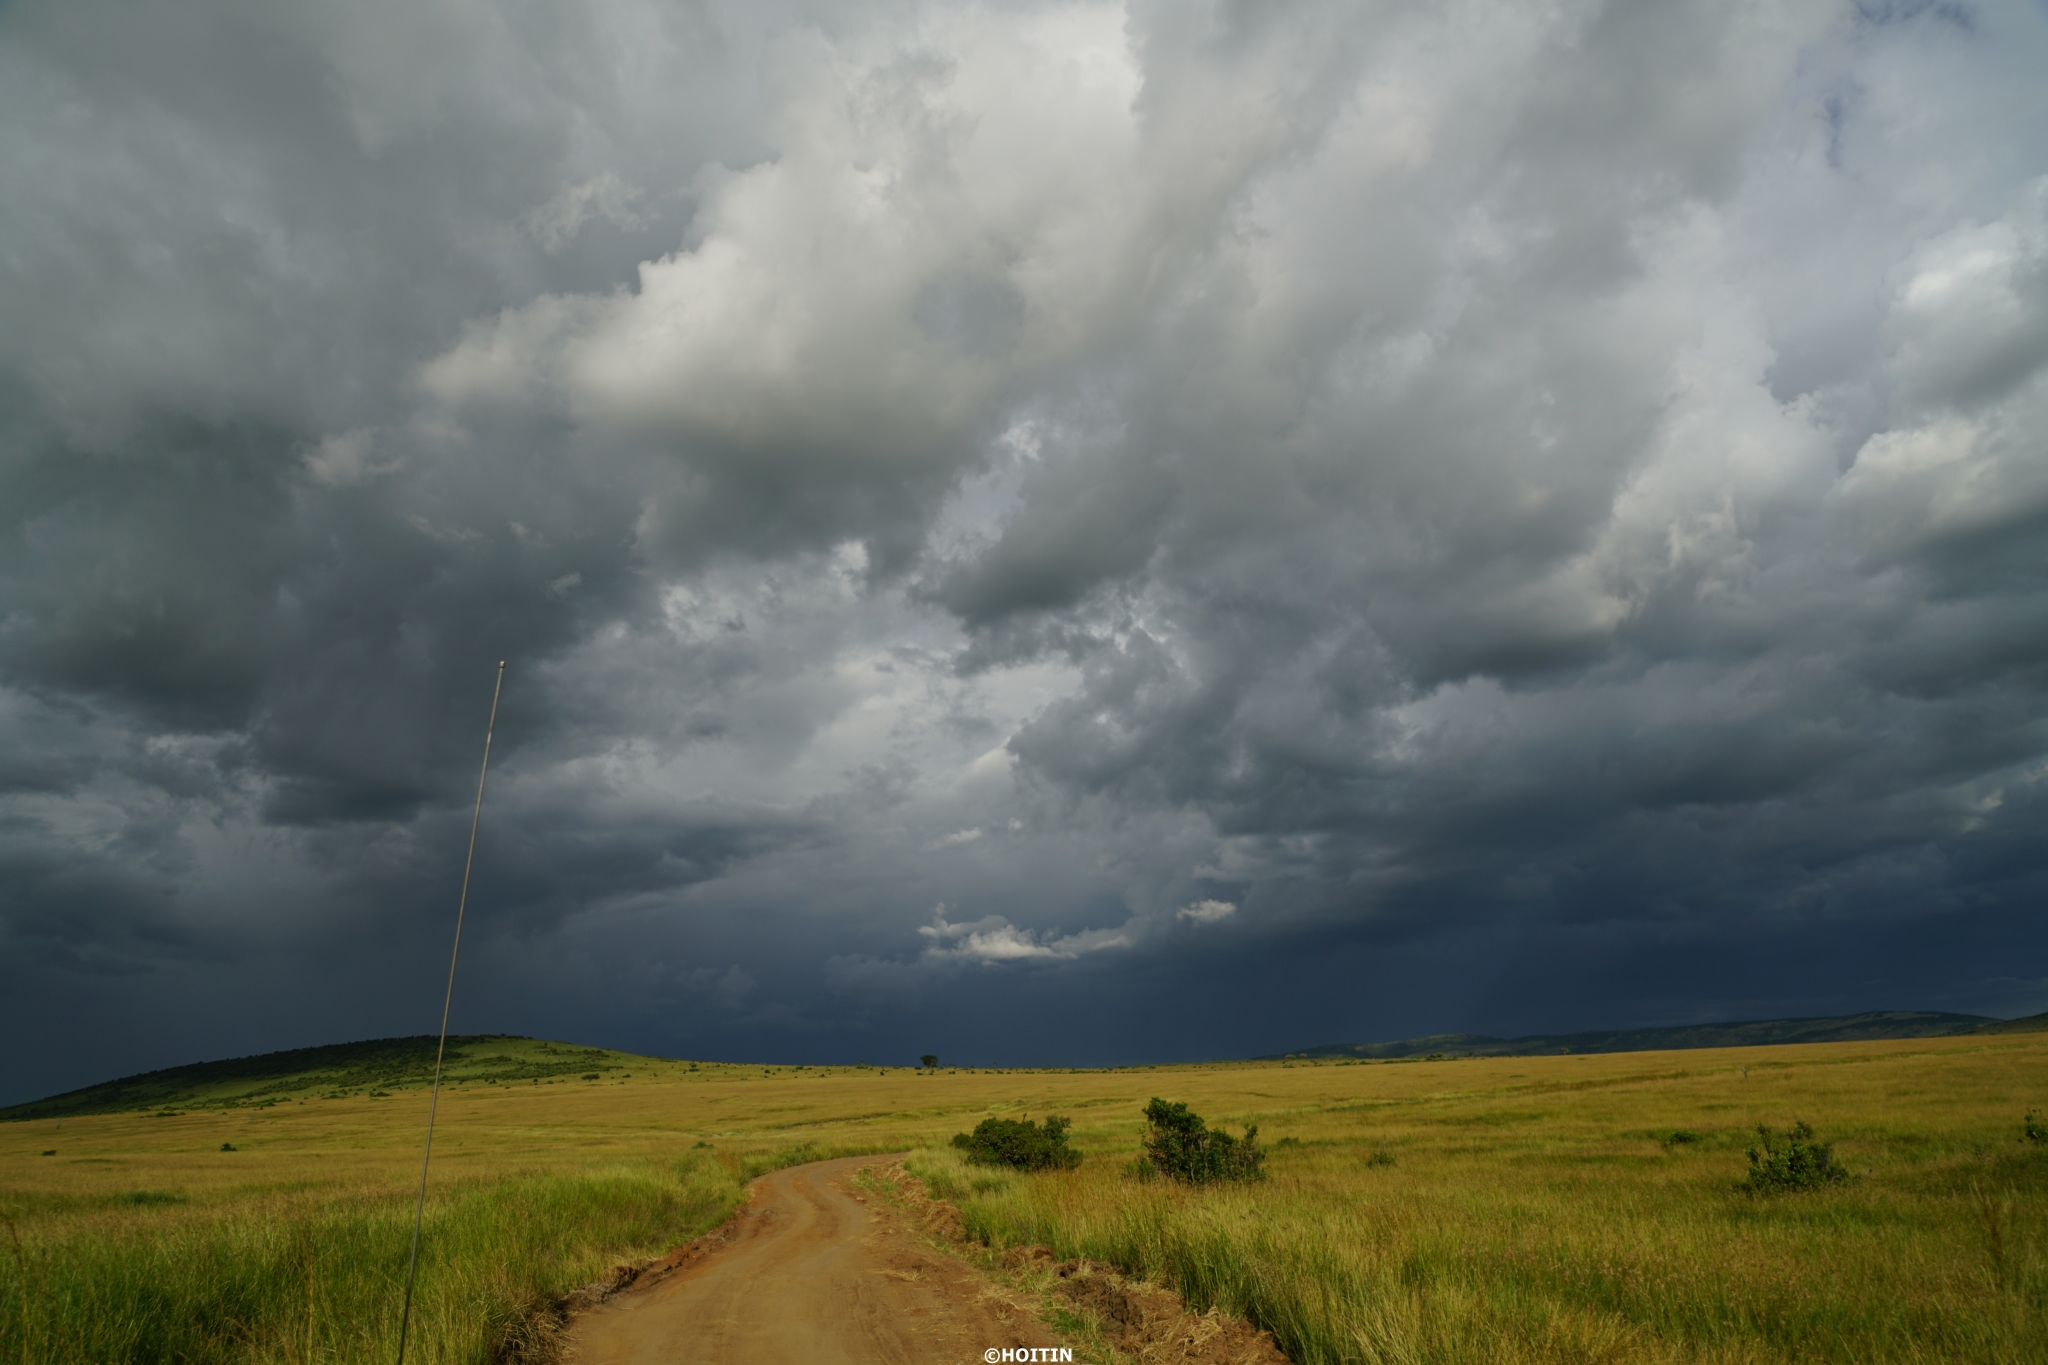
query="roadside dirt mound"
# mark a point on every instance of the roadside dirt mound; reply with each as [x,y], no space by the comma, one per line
[1150,1324]
[1144,1321]
[622,1278]
[539,1339]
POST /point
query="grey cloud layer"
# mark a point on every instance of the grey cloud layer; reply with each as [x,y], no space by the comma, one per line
[1393,518]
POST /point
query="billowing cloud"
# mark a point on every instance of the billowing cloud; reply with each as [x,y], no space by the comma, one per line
[1375,520]
[1207,911]
[995,939]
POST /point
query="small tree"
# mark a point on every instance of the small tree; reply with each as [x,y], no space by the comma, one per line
[1021,1143]
[2033,1130]
[930,1061]
[1792,1162]
[1180,1146]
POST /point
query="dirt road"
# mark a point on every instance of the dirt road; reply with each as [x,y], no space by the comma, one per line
[817,1274]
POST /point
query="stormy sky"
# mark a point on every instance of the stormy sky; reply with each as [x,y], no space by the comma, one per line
[1042,533]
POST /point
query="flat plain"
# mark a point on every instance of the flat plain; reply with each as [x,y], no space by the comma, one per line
[1563,1208]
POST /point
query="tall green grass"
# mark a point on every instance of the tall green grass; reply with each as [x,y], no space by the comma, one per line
[307,1277]
[1477,1261]
[1524,1210]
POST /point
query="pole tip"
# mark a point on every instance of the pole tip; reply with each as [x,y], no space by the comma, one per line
[501,663]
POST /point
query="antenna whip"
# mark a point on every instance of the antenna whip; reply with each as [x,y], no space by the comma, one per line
[419,1211]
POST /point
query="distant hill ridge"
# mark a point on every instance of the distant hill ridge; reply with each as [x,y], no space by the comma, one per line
[1748,1033]
[333,1070]
[381,1065]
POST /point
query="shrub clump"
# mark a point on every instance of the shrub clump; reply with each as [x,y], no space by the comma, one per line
[1021,1143]
[1181,1147]
[2035,1131]
[1792,1161]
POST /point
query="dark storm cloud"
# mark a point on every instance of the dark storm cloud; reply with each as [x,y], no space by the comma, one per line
[1375,520]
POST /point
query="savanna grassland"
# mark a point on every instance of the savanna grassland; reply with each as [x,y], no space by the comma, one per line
[1499,1210]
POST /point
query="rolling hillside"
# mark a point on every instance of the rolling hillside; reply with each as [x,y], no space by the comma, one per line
[335,1071]
[385,1065]
[1751,1033]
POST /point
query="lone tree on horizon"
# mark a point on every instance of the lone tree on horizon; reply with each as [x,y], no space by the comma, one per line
[930,1060]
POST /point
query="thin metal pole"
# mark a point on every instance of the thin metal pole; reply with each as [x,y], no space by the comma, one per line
[420,1210]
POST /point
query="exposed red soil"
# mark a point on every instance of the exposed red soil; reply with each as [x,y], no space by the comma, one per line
[809,1276]
[819,1271]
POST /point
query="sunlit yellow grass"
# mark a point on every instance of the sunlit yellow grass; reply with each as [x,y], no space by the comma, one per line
[1534,1211]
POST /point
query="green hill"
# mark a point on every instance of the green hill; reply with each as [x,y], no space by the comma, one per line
[338,1069]
[2033,1023]
[384,1065]
[1750,1033]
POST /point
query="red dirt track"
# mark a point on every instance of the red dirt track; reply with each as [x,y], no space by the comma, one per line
[814,1274]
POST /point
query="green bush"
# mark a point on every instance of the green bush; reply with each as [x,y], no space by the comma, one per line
[1021,1143]
[1181,1147]
[1792,1161]
[2034,1131]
